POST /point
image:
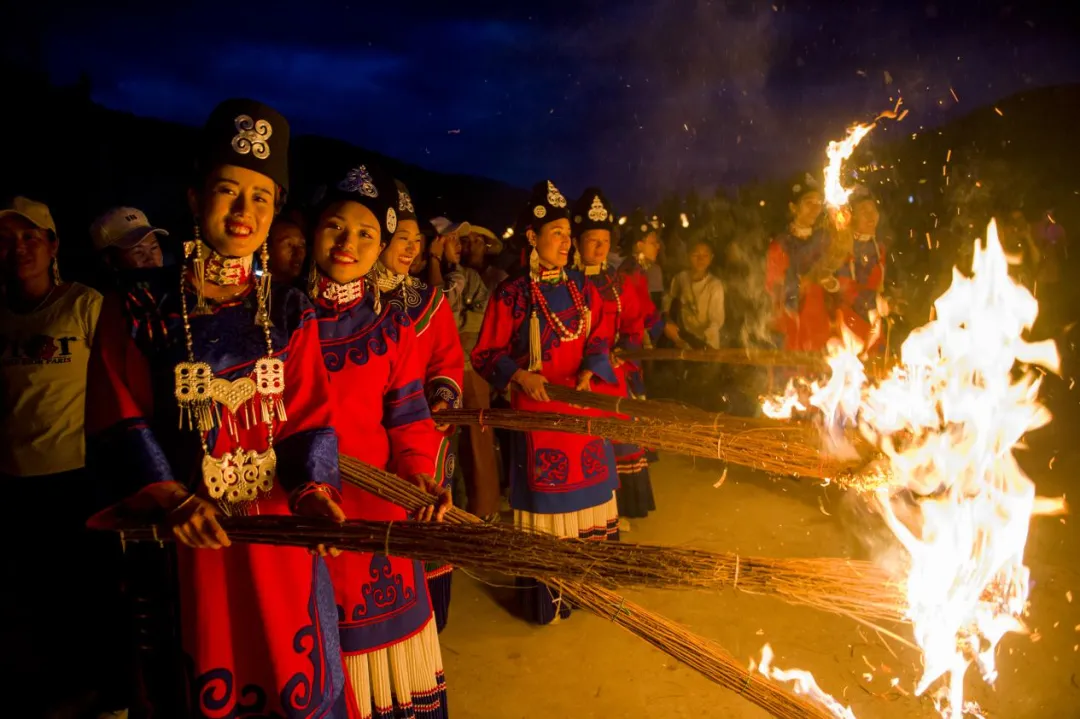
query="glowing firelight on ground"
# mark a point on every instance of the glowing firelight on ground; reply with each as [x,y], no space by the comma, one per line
[946,421]
[803,683]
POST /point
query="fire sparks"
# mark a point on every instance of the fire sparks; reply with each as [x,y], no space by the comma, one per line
[836,195]
[946,421]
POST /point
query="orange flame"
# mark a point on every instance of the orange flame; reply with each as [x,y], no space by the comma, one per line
[946,422]
[836,195]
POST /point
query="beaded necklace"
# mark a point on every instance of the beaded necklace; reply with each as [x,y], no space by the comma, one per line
[341,294]
[236,478]
[538,300]
[553,319]
[386,280]
[614,277]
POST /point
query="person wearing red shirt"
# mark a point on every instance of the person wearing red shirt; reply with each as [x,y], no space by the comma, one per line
[370,349]
[801,317]
[258,623]
[862,276]
[438,353]
[546,324]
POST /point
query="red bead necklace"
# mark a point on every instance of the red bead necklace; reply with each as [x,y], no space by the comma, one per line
[560,329]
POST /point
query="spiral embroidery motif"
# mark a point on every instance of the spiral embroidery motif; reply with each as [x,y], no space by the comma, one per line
[252,136]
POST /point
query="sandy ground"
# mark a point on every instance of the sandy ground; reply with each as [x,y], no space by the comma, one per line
[499,666]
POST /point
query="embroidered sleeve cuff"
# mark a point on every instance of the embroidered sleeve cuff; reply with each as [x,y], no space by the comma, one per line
[600,365]
[308,457]
[404,405]
[446,390]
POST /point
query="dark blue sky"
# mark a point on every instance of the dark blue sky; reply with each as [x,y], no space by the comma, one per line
[638,96]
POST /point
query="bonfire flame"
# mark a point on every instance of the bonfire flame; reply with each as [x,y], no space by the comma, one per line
[947,420]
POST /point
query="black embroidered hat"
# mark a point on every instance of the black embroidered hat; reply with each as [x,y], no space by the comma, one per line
[405,209]
[592,211]
[546,204]
[248,134]
[360,180]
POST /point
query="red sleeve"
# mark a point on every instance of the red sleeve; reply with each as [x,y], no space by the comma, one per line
[630,319]
[597,357]
[491,357]
[643,316]
[122,451]
[876,281]
[776,266]
[306,444]
[778,284]
[118,376]
[446,364]
[406,416]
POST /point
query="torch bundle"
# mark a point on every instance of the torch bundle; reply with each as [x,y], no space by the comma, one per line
[736,356]
[540,554]
[771,447]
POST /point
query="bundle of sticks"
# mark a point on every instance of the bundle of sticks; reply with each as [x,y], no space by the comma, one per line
[848,587]
[837,585]
[702,655]
[672,412]
[737,355]
[786,449]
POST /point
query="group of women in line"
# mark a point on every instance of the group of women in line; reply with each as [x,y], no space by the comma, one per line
[212,390]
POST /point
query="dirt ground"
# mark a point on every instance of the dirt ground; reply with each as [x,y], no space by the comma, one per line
[499,666]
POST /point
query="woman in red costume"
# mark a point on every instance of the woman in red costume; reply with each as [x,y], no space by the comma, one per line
[862,276]
[238,360]
[438,353]
[369,346]
[547,324]
[801,316]
[626,306]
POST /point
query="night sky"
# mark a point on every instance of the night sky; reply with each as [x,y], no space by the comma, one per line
[642,97]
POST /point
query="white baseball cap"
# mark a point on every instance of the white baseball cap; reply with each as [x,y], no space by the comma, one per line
[34,211]
[444,226]
[122,227]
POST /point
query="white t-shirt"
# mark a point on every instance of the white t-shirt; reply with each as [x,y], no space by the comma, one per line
[701,306]
[43,359]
